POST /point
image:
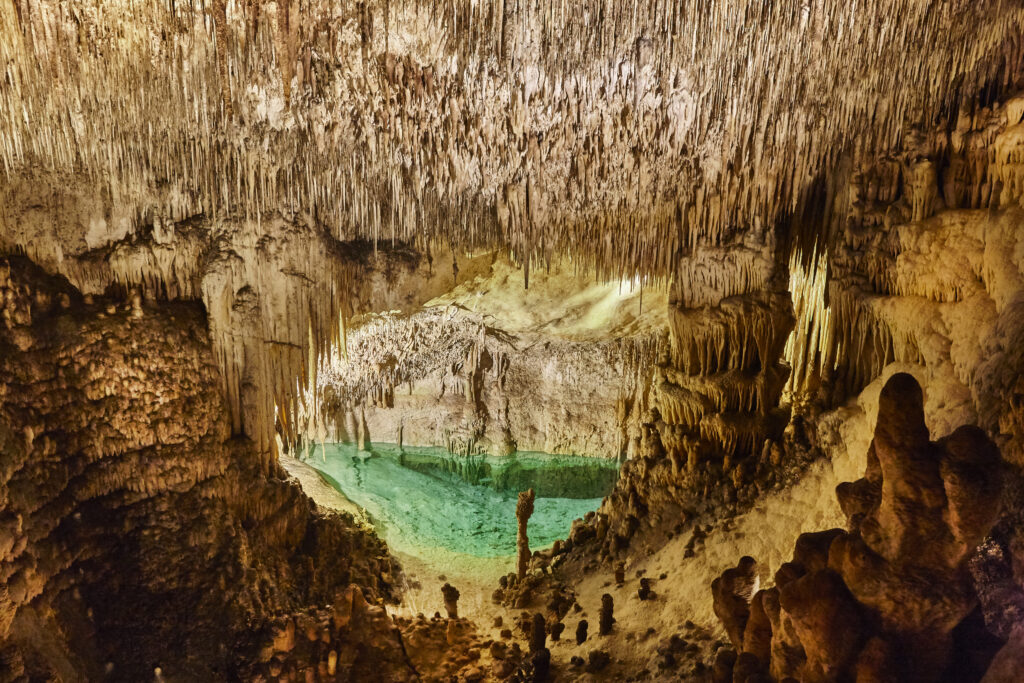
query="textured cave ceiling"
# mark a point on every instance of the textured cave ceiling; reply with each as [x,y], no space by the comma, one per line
[769,245]
[637,129]
[178,147]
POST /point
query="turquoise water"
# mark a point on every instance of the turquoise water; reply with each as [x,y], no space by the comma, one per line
[426,498]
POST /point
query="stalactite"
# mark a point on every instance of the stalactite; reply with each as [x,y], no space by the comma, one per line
[145,114]
[495,125]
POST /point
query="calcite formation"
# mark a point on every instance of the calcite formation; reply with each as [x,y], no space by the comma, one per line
[524,508]
[352,641]
[451,600]
[883,599]
[131,518]
[450,378]
[221,223]
[646,132]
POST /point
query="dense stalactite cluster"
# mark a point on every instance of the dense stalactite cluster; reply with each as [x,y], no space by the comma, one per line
[647,132]
[448,377]
[711,422]
[471,117]
[932,288]
[276,294]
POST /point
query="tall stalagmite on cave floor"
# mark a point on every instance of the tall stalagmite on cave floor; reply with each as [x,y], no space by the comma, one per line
[884,600]
[231,230]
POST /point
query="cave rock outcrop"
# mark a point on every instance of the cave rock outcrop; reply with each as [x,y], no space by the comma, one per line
[882,600]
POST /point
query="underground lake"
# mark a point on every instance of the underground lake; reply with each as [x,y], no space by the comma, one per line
[423,499]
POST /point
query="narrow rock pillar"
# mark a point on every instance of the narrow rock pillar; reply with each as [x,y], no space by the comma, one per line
[524,508]
[451,600]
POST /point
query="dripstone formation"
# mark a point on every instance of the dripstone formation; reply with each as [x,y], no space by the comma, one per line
[887,598]
[743,251]
[524,508]
[132,519]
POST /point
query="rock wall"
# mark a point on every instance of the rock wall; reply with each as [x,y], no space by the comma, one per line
[135,532]
[277,291]
[445,377]
[708,431]
[927,267]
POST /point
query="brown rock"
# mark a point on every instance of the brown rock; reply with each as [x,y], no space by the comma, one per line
[827,621]
[732,593]
[451,600]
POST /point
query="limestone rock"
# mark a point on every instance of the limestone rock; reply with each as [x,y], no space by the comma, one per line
[882,600]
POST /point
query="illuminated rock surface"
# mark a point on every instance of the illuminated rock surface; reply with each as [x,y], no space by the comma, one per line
[704,244]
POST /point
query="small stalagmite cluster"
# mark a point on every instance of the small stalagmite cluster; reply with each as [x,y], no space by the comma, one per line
[890,598]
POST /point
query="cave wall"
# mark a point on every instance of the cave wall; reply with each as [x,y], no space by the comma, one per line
[914,265]
[928,269]
[277,291]
[454,379]
[137,532]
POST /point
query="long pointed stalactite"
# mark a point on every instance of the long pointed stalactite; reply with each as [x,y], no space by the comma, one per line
[646,130]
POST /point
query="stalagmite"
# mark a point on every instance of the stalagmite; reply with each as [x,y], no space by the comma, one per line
[451,600]
[606,617]
[538,633]
[581,632]
[916,516]
[524,508]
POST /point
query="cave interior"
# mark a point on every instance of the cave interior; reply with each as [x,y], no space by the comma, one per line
[508,340]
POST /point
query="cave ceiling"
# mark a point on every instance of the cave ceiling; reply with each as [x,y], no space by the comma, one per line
[637,129]
[255,156]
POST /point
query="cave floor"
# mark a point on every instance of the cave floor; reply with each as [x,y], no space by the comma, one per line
[681,604]
[442,529]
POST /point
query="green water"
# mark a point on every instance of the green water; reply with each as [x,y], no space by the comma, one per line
[426,498]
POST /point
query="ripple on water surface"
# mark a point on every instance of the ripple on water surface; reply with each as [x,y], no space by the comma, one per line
[420,499]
